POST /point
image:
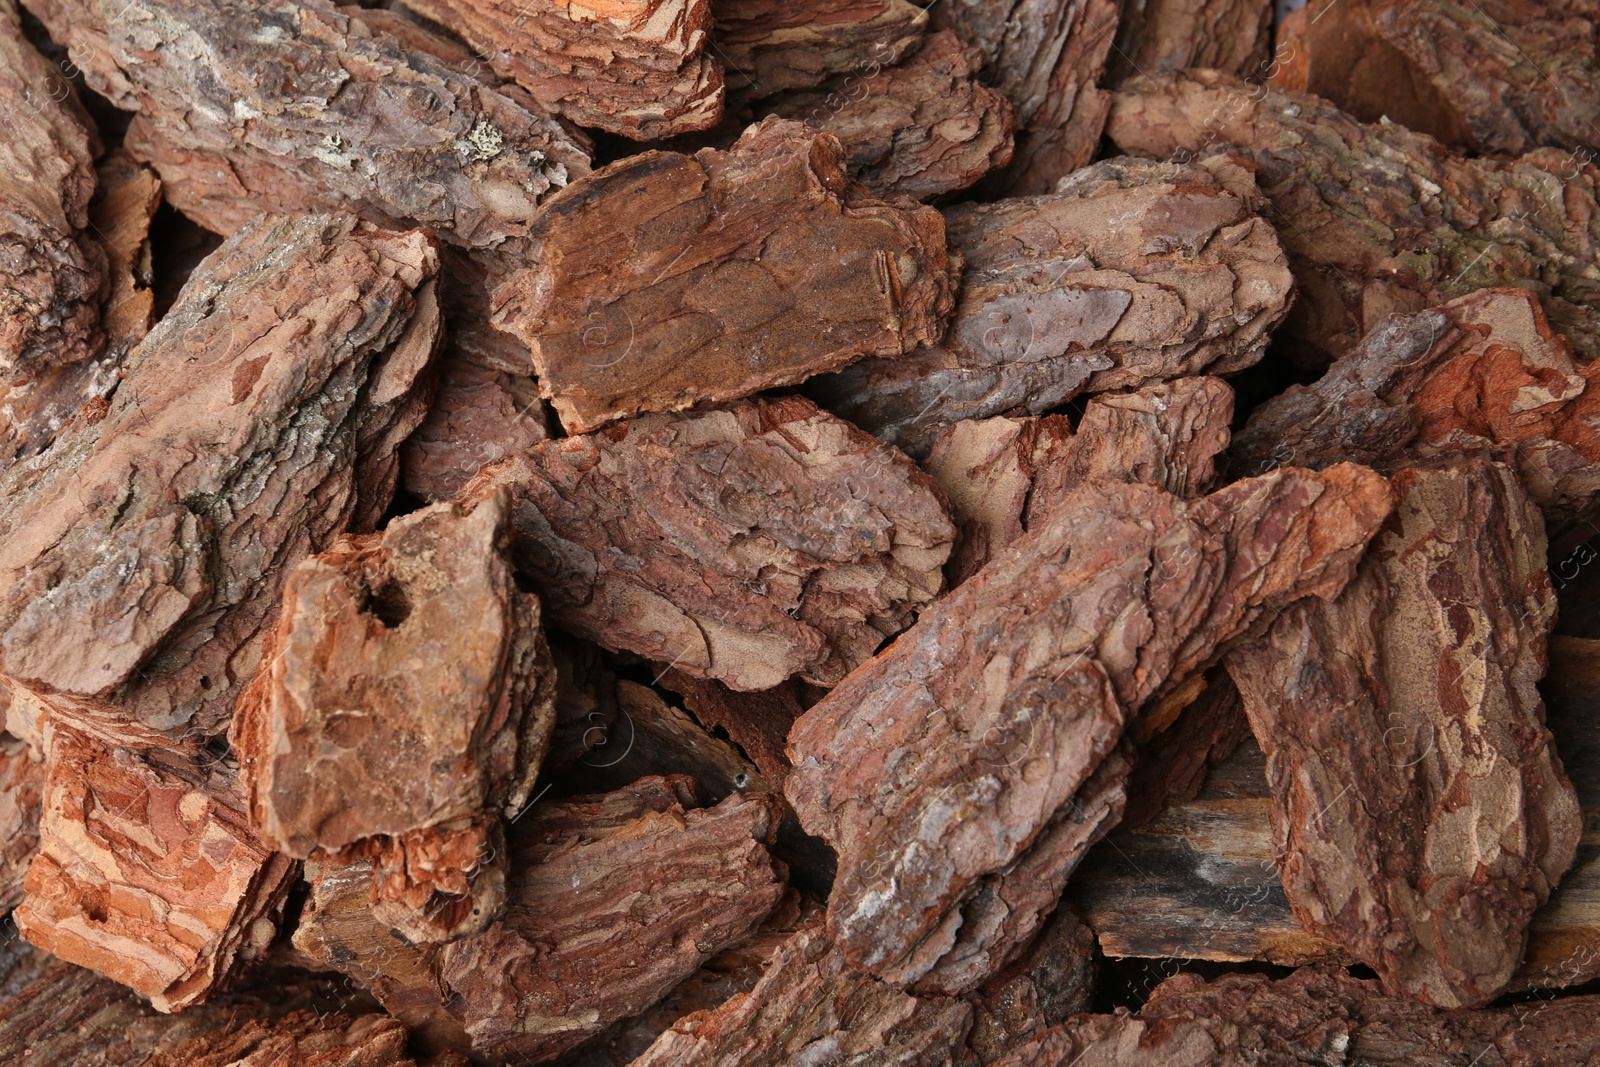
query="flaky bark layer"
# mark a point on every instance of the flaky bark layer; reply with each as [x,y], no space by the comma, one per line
[667,280]
[1158,36]
[478,417]
[746,544]
[772,45]
[1055,303]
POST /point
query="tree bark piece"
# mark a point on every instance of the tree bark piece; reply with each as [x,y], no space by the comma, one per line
[923,128]
[1055,303]
[1048,58]
[1422,814]
[1308,1017]
[52,273]
[1050,982]
[22,780]
[1378,219]
[149,872]
[977,738]
[404,705]
[746,544]
[1177,748]
[143,557]
[811,1006]
[121,211]
[667,280]
[1485,76]
[757,722]
[1159,36]
[1481,375]
[478,418]
[768,46]
[321,113]
[638,68]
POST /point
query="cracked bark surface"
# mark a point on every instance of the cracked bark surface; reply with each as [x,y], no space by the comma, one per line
[22,780]
[666,280]
[773,539]
[638,68]
[1421,814]
[1054,303]
[143,556]
[478,417]
[768,46]
[997,717]
[1379,220]
[1158,36]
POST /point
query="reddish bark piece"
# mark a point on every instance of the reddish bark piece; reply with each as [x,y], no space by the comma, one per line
[1487,76]
[1180,746]
[667,280]
[1048,58]
[1421,812]
[405,702]
[1003,475]
[746,544]
[321,113]
[1158,36]
[1378,219]
[1305,1018]
[634,67]
[1055,303]
[757,722]
[478,417]
[1053,980]
[22,780]
[768,46]
[300,1039]
[120,213]
[971,762]
[810,1003]
[923,128]
[149,872]
[52,273]
[143,556]
[1481,375]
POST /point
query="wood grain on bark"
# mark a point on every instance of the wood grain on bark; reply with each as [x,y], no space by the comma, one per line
[1500,76]
[636,67]
[746,544]
[1055,303]
[143,555]
[923,128]
[768,46]
[1158,36]
[1378,219]
[976,756]
[478,417]
[1421,813]
[667,280]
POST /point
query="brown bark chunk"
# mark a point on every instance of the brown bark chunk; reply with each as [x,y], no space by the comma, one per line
[143,556]
[990,728]
[772,45]
[52,273]
[149,872]
[1180,744]
[666,280]
[1051,981]
[121,211]
[479,417]
[811,1006]
[22,780]
[921,129]
[1158,36]
[746,544]
[1055,303]
[1048,58]
[1501,76]
[757,722]
[1421,813]
[636,67]
[1378,219]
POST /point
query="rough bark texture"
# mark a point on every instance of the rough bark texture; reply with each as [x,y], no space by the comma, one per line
[120,213]
[1055,303]
[1503,76]
[1159,36]
[1313,1017]
[1052,980]
[142,556]
[666,280]
[746,544]
[1003,475]
[812,1007]
[922,129]
[321,112]
[635,67]
[1421,814]
[52,273]
[1205,724]
[757,722]
[977,754]
[1378,219]
[768,46]
[1481,375]
[407,697]
[22,780]
[478,417]
[149,872]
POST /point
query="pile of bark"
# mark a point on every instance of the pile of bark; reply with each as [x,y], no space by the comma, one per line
[728,532]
